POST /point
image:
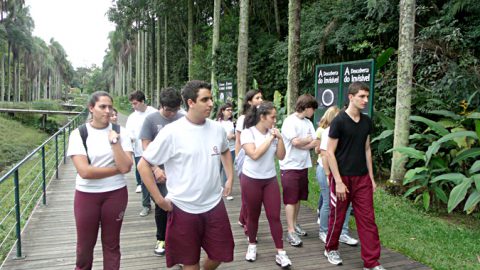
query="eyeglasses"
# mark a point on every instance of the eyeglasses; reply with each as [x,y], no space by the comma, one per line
[172,110]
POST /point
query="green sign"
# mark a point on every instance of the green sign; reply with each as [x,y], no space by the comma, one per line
[225,90]
[332,81]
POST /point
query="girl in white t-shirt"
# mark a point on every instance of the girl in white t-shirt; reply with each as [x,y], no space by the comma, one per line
[322,177]
[252,98]
[225,118]
[101,193]
[262,142]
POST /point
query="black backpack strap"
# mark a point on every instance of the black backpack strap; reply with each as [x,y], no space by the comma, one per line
[116,128]
[84,134]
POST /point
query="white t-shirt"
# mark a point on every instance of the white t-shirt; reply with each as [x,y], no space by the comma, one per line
[101,155]
[264,167]
[134,126]
[296,158]
[191,156]
[323,143]
[240,122]
[228,126]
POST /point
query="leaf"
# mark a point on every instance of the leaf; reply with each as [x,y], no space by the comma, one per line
[426,200]
[475,167]
[410,175]
[446,113]
[440,194]
[410,152]
[471,202]
[432,150]
[458,194]
[411,190]
[439,129]
[385,134]
[386,121]
[455,178]
[477,127]
[476,179]
[469,153]
[458,134]
[383,58]
[474,115]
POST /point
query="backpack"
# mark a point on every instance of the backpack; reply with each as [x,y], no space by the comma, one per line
[84,134]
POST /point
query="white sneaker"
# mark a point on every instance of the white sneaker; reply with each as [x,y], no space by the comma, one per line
[323,236]
[282,259]
[378,267]
[251,255]
[139,189]
[229,198]
[346,239]
[333,257]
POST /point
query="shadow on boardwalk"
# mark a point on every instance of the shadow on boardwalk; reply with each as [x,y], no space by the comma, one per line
[49,238]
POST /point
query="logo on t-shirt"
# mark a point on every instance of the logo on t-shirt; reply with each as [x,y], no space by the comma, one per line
[215,151]
[159,127]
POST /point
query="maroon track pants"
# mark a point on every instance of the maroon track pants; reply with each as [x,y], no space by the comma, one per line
[266,192]
[93,210]
[361,196]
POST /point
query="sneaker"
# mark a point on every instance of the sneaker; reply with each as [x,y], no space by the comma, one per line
[229,198]
[318,221]
[251,255]
[159,248]
[145,211]
[346,239]
[333,257]
[378,267]
[300,231]
[138,189]
[282,259]
[293,239]
[323,236]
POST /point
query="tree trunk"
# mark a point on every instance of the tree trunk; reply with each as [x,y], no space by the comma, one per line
[165,47]
[404,87]
[215,40]
[293,53]
[242,53]
[137,62]
[2,78]
[277,18]
[190,39]
[159,60]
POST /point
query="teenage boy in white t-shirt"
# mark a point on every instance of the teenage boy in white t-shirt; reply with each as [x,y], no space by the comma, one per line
[197,216]
[299,137]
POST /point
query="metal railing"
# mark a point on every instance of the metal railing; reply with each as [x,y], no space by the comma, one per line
[22,186]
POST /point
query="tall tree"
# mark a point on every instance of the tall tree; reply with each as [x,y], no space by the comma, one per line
[242,53]
[404,87]
[190,39]
[277,18]
[293,53]
[215,39]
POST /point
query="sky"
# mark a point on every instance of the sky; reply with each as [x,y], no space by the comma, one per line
[80,26]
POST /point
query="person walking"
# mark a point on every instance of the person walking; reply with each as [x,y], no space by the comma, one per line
[101,160]
[299,137]
[262,142]
[322,173]
[170,101]
[134,125]
[351,178]
[225,118]
[197,217]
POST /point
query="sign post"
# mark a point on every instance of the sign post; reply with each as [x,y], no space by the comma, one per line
[225,90]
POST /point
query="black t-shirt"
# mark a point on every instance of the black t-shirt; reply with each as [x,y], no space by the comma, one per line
[352,136]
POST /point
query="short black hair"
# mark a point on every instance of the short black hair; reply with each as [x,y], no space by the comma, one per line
[191,88]
[304,102]
[95,96]
[355,87]
[136,95]
[170,97]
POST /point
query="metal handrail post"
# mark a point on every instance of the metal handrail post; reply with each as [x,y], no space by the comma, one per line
[44,184]
[64,153]
[17,214]
[56,156]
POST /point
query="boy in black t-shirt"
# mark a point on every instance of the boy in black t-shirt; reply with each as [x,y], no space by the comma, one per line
[351,178]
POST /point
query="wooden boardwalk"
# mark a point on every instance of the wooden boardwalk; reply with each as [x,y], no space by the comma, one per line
[49,238]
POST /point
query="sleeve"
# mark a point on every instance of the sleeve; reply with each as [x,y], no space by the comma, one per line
[247,137]
[324,140]
[75,144]
[289,130]
[240,123]
[335,128]
[125,141]
[224,139]
[161,149]
[146,131]
[319,132]
[130,128]
[312,129]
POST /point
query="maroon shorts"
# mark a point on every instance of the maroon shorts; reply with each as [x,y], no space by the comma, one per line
[188,233]
[295,185]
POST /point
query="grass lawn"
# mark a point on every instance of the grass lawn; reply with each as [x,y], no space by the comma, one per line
[431,239]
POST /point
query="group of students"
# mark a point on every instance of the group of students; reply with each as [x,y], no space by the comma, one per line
[196,155]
